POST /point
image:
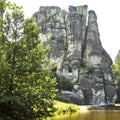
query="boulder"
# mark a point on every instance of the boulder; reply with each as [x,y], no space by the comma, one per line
[73,98]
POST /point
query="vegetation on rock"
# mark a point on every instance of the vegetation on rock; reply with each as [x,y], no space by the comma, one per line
[65,84]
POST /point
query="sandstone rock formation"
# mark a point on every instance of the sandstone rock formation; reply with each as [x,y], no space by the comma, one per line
[77,50]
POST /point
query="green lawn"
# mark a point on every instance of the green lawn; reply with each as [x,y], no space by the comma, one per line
[64,109]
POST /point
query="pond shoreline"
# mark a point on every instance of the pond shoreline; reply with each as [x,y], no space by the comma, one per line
[91,112]
[97,107]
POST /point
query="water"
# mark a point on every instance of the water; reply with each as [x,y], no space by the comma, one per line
[91,115]
[99,115]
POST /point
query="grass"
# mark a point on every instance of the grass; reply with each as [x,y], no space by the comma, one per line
[64,109]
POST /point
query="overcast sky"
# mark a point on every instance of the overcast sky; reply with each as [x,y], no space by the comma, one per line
[108,14]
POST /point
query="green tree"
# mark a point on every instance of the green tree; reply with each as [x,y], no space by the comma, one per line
[64,84]
[27,84]
[116,75]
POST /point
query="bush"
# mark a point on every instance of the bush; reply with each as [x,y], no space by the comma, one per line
[52,37]
[65,84]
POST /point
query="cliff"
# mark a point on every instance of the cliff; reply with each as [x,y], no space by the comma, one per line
[77,50]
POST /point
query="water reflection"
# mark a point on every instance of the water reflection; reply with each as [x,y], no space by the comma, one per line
[100,115]
[92,115]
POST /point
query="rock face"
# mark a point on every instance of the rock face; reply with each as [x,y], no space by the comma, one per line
[77,50]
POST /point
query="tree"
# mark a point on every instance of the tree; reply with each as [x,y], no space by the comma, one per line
[27,85]
[64,84]
[116,75]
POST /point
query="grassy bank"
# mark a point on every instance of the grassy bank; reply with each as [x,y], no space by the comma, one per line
[64,109]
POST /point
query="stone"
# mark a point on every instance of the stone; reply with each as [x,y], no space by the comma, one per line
[77,51]
[109,91]
[73,98]
[98,97]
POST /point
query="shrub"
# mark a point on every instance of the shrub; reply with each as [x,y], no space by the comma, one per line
[65,84]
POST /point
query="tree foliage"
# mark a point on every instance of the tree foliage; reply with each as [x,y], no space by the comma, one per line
[64,84]
[116,75]
[27,85]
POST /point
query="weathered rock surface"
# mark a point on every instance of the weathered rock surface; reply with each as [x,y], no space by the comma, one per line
[71,96]
[77,50]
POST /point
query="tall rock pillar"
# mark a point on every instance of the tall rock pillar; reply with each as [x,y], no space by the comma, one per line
[76,20]
[97,84]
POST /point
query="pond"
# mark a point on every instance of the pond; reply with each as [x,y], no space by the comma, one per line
[85,114]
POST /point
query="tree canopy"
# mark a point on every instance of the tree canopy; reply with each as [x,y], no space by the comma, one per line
[116,74]
[27,84]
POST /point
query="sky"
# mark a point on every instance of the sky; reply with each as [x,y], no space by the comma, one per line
[108,17]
